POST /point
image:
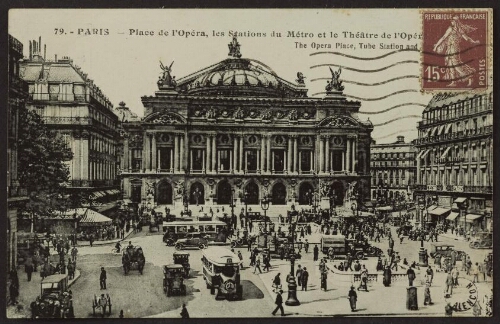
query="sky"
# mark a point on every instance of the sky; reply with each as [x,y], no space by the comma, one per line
[113,47]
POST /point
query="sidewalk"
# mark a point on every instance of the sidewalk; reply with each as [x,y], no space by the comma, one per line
[87,243]
[452,237]
[379,301]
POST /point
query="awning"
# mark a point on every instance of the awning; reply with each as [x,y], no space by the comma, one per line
[440,131]
[470,218]
[116,191]
[425,154]
[452,216]
[431,207]
[445,152]
[439,211]
[384,208]
[433,131]
[460,200]
[93,218]
[447,130]
[420,154]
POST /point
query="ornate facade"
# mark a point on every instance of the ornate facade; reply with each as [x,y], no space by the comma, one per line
[72,105]
[393,170]
[238,126]
[455,159]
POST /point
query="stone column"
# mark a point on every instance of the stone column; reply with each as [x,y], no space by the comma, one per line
[321,155]
[312,161]
[354,154]
[258,161]
[268,154]
[348,155]
[76,158]
[214,153]
[176,153]
[240,159]
[231,163]
[171,166]
[154,152]
[327,154]
[235,154]
[295,154]
[181,153]
[343,161]
[262,154]
[289,155]
[418,171]
[84,151]
[125,161]
[209,154]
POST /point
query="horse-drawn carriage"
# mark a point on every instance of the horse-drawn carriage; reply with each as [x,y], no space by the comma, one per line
[102,303]
[182,258]
[55,301]
[133,257]
[173,279]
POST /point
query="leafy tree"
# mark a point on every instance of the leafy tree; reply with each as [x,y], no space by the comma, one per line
[41,167]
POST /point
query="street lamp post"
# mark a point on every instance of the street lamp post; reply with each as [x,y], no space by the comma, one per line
[233,217]
[292,284]
[264,204]
[245,197]
[422,253]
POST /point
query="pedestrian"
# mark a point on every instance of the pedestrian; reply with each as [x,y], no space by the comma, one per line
[277,282]
[305,278]
[240,256]
[449,285]
[91,239]
[279,303]
[411,276]
[324,278]
[13,292]
[306,246]
[475,273]
[257,265]
[430,275]
[387,276]
[121,313]
[102,278]
[454,275]
[357,266]
[476,309]
[427,294]
[363,284]
[482,269]
[28,267]
[348,265]
[380,266]
[184,312]
[267,264]
[448,310]
[298,274]
[353,298]
[315,252]
[74,253]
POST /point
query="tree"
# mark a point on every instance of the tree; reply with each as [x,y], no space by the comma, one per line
[41,168]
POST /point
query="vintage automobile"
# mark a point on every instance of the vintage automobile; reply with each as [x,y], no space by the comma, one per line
[182,258]
[482,240]
[133,256]
[444,250]
[363,247]
[199,240]
[173,279]
[54,301]
[102,303]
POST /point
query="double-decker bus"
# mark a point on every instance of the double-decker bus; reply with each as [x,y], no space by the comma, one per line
[221,272]
[179,229]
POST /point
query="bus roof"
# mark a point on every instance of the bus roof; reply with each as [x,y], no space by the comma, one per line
[219,255]
[181,223]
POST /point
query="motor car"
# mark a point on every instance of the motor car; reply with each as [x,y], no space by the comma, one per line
[482,240]
[199,240]
[173,279]
[444,250]
[182,258]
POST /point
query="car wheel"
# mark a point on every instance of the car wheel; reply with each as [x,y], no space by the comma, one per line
[359,255]
[233,244]
[202,246]
[179,247]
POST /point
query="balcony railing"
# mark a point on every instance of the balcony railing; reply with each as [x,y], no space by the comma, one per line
[456,188]
[485,130]
[94,183]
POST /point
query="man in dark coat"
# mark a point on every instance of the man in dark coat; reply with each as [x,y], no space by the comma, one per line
[316,252]
[28,267]
[387,276]
[305,278]
[279,303]
[184,311]
[102,278]
[411,276]
[353,298]
[298,274]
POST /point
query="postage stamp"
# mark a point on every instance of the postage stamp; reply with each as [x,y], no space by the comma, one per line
[455,49]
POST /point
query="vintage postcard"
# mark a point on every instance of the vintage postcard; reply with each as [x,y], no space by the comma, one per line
[217,163]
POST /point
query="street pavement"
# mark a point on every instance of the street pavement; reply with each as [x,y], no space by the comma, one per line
[143,296]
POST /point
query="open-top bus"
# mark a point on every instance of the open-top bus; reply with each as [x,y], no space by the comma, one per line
[179,229]
[221,271]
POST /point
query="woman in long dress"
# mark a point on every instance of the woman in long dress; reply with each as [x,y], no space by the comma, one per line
[449,44]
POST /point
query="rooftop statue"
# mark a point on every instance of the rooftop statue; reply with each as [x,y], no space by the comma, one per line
[335,83]
[234,48]
[167,78]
